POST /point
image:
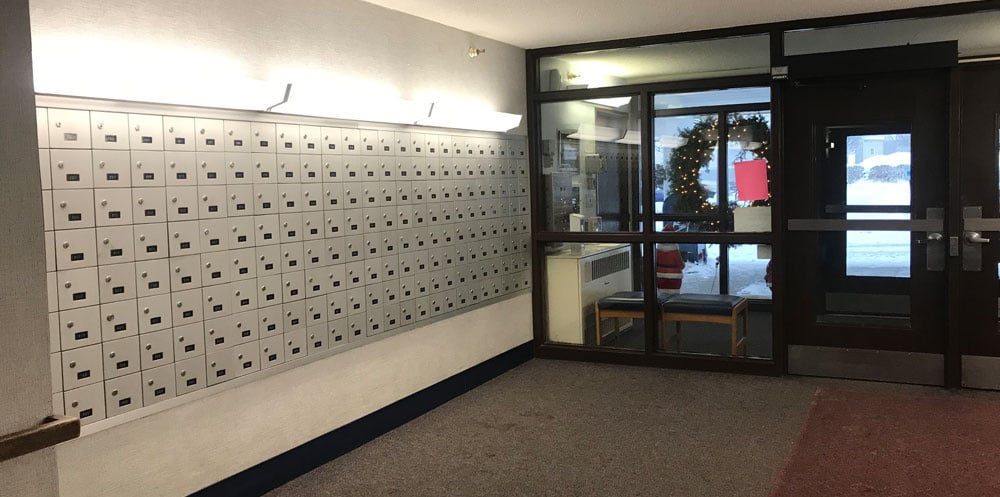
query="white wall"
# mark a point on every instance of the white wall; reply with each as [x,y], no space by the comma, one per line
[346,44]
[25,383]
[187,448]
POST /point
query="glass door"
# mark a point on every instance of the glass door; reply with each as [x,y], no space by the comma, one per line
[866,191]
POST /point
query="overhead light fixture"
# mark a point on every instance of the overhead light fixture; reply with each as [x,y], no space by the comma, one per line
[235,94]
[590,132]
[672,141]
[632,137]
[90,66]
[323,101]
[476,52]
[450,116]
[614,102]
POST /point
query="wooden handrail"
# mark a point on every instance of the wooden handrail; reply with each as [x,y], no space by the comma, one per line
[54,430]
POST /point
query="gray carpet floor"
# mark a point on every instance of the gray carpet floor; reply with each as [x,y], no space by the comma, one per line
[556,428]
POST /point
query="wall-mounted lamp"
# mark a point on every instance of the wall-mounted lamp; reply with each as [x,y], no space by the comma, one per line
[476,52]
[288,91]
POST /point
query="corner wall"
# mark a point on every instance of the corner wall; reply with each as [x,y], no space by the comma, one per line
[184,449]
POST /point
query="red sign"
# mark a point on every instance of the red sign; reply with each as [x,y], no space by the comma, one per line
[751,180]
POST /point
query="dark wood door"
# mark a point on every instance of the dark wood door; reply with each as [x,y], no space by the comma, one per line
[866,185]
[979,286]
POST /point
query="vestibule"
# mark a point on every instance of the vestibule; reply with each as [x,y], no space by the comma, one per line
[838,174]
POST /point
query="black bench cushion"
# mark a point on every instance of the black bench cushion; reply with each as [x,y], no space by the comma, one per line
[629,301]
[696,303]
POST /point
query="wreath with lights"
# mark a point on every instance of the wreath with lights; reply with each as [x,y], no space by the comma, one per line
[698,142]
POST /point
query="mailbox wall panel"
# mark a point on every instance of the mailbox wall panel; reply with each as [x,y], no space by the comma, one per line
[188,250]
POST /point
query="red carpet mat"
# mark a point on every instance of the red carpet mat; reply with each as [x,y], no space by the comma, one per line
[885,445]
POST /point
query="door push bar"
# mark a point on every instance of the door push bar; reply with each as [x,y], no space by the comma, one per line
[933,225]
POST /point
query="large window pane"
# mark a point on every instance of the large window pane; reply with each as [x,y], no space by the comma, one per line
[591,165]
[697,269]
[583,280]
[878,169]
[878,253]
[698,183]
[976,34]
[667,62]
[701,267]
[686,171]
[749,140]
[711,98]
[750,271]
[878,174]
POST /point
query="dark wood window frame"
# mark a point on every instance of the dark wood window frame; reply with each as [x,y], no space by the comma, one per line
[650,357]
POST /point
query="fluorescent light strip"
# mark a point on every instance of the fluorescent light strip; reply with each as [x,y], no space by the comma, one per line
[484,120]
[254,95]
[614,102]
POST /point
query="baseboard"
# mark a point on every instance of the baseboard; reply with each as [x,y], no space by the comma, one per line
[289,465]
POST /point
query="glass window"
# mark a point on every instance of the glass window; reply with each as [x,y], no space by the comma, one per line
[878,174]
[697,270]
[593,294]
[976,34]
[750,271]
[666,62]
[729,96]
[590,165]
[701,267]
[878,169]
[701,186]
[687,164]
[749,140]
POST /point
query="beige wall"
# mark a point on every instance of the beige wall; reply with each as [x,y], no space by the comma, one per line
[191,446]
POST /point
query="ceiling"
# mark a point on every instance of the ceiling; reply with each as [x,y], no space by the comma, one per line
[544,23]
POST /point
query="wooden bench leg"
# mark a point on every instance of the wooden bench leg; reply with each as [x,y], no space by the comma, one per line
[746,331]
[734,346]
[597,317]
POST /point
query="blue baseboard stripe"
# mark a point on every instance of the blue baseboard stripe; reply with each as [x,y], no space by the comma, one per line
[287,466]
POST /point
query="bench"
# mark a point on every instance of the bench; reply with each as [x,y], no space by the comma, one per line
[684,307]
[622,305]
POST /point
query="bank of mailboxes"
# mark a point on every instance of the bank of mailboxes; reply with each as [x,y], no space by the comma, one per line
[184,252]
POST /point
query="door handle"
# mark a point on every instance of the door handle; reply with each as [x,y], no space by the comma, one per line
[975,237]
[931,237]
[972,238]
[936,253]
